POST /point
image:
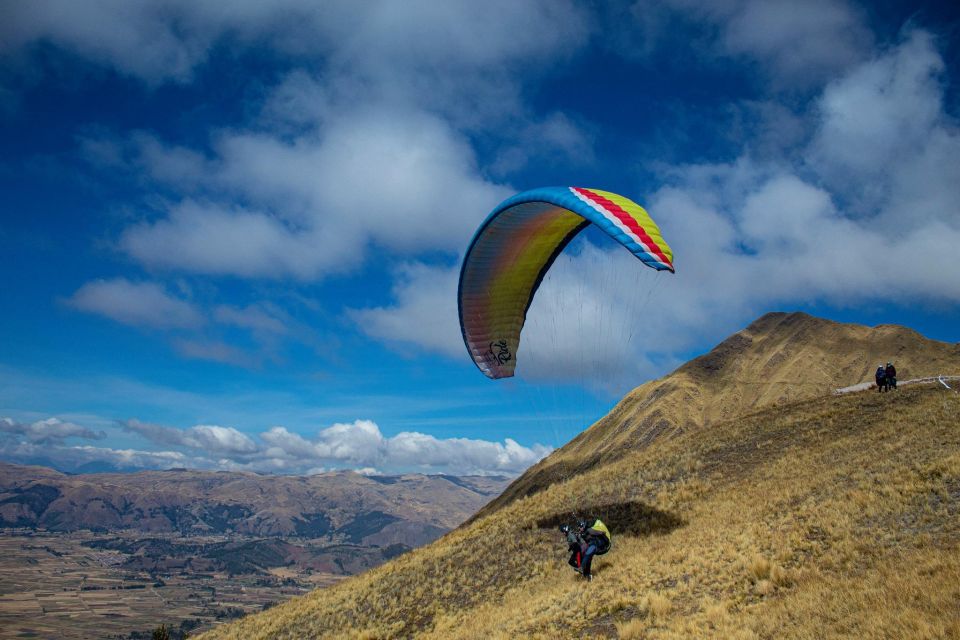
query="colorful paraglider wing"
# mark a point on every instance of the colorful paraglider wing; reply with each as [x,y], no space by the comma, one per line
[514,248]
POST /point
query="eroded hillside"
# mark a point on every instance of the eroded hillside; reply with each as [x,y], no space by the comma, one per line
[835,516]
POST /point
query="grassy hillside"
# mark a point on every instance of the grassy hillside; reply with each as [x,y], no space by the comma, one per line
[780,358]
[833,516]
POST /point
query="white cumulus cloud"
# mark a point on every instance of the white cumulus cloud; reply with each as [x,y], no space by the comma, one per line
[424,311]
[362,444]
[166,40]
[48,431]
[886,144]
[359,444]
[219,440]
[210,439]
[393,178]
[368,143]
[142,304]
[798,44]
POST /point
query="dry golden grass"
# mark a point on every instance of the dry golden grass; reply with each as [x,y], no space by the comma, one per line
[835,517]
[633,628]
[658,606]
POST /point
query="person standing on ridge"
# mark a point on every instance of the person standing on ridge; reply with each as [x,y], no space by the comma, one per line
[881,377]
[891,376]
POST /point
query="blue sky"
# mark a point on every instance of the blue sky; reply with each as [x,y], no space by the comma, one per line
[232,231]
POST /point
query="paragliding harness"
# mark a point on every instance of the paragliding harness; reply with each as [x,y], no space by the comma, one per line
[580,537]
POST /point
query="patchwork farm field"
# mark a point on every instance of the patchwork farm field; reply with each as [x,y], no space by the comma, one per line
[116,555]
[63,586]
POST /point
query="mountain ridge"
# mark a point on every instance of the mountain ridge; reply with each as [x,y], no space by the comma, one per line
[779,358]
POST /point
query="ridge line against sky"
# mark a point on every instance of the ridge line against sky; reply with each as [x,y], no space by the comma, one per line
[232,232]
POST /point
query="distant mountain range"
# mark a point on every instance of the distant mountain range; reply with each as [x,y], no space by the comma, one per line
[340,507]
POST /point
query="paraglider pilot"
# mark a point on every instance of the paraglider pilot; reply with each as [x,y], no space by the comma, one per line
[584,542]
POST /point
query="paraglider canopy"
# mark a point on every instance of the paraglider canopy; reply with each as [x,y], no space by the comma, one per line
[514,248]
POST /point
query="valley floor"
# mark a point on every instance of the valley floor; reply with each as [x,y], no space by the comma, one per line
[70,586]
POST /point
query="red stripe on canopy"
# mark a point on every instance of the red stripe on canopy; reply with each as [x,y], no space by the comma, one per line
[628,220]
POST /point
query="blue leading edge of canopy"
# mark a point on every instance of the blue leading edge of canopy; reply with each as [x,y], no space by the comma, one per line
[567,199]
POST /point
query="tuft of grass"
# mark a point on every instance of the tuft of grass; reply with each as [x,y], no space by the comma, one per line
[780,576]
[631,629]
[759,568]
[658,606]
[717,614]
[765,587]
